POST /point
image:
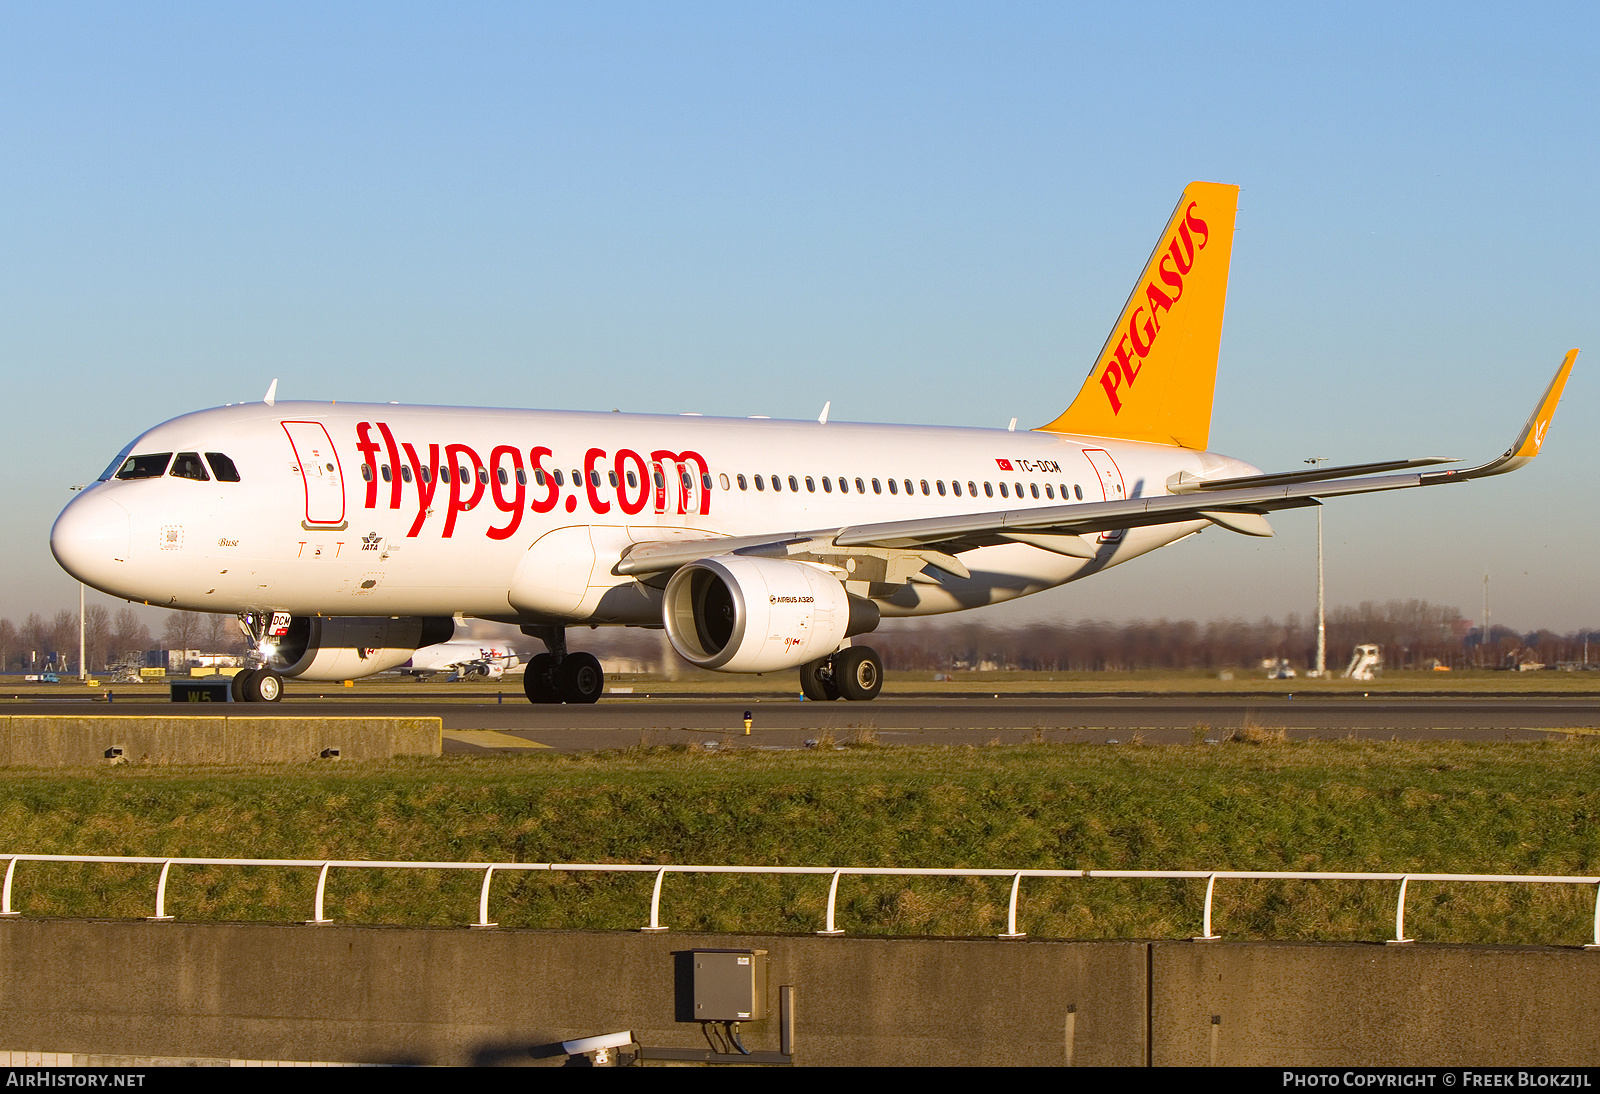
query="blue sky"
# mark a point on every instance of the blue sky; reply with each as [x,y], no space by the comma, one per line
[923,212]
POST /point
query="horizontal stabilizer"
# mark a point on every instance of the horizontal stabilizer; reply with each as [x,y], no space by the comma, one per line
[1184,483]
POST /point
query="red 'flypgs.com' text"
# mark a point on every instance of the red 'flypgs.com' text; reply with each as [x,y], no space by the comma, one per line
[634,480]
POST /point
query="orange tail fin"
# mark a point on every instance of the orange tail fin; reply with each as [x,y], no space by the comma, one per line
[1157,372]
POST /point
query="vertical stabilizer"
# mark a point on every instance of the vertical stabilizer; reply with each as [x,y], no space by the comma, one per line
[1157,372]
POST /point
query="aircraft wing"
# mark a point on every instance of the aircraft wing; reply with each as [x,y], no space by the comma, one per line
[1237,504]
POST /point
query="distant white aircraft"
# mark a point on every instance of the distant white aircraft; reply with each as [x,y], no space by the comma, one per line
[462,659]
[346,536]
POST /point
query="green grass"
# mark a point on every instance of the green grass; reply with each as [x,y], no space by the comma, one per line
[1324,806]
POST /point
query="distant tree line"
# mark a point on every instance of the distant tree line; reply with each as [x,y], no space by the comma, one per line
[108,639]
[1412,633]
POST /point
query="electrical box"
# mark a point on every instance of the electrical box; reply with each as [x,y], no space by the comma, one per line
[730,985]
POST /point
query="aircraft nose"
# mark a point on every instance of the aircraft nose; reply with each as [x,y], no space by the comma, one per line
[90,540]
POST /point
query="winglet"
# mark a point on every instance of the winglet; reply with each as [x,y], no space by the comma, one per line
[271,396]
[1529,441]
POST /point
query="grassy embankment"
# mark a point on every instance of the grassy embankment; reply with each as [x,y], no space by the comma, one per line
[1273,805]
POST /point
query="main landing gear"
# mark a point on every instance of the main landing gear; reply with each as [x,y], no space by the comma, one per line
[559,676]
[855,672]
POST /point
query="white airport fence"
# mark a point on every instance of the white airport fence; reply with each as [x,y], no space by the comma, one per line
[835,873]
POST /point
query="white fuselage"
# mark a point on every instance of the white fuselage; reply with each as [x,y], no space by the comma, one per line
[360,509]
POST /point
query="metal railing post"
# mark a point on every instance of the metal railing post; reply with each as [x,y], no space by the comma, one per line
[1011,916]
[317,919]
[483,900]
[833,895]
[655,903]
[5,899]
[1400,915]
[1205,923]
[161,893]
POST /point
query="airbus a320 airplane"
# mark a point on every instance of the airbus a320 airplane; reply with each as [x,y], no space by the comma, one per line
[346,536]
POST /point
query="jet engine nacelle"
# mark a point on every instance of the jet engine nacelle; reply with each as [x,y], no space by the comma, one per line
[347,647]
[735,613]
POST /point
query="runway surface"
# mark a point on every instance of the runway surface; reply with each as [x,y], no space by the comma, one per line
[483,724]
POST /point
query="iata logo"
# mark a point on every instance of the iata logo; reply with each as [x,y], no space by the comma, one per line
[1144,322]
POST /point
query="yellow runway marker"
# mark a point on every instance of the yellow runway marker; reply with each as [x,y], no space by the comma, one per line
[490,738]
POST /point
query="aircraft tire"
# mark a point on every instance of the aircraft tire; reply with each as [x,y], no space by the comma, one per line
[858,673]
[236,685]
[264,686]
[817,681]
[538,680]
[579,678]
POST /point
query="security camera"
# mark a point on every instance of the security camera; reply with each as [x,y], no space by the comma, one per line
[594,1044]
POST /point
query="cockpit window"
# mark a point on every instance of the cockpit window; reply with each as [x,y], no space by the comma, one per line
[222,467]
[116,463]
[152,466]
[188,466]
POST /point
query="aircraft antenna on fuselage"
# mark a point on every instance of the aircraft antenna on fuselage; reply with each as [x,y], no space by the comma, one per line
[1155,376]
[271,397]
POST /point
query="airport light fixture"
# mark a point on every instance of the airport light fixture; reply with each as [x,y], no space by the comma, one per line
[1322,628]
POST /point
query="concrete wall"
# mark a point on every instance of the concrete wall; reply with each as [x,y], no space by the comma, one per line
[449,996]
[50,741]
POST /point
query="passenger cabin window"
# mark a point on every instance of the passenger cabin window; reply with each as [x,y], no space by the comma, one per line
[861,487]
[939,484]
[222,468]
[366,472]
[759,483]
[988,490]
[794,484]
[1003,492]
[1077,491]
[972,488]
[1033,488]
[876,489]
[405,473]
[811,484]
[925,488]
[151,466]
[388,476]
[188,465]
[893,488]
[743,484]
[827,485]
